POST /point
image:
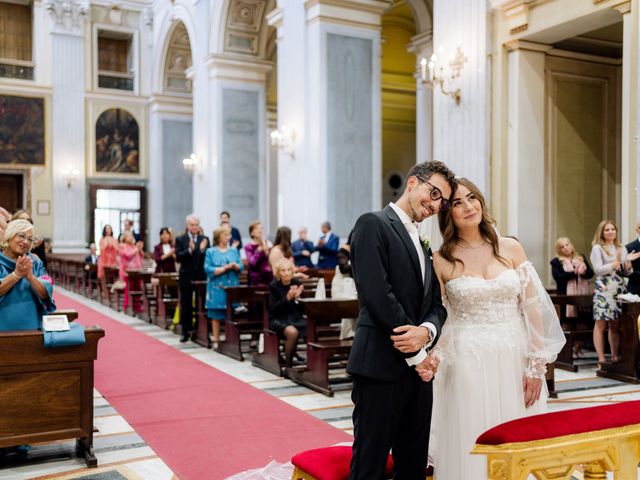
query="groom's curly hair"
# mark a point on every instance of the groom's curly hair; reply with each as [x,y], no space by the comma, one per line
[423,171]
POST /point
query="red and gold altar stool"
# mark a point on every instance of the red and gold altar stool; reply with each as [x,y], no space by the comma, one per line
[552,445]
[329,463]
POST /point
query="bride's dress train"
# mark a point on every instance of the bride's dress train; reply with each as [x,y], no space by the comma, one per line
[497,331]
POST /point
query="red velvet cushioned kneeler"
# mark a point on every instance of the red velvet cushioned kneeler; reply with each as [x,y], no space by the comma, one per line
[329,463]
[557,424]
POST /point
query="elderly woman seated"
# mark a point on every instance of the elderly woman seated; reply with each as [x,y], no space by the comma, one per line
[25,289]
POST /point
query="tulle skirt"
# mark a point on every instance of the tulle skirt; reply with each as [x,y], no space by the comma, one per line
[476,388]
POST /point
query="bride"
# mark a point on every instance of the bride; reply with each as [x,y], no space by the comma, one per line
[501,332]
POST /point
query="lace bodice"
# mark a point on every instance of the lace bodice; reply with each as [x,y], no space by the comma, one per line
[474,301]
[512,310]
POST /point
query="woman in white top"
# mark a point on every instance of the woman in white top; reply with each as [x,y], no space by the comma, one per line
[610,261]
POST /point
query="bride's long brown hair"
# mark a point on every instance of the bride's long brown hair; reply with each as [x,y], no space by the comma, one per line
[450,234]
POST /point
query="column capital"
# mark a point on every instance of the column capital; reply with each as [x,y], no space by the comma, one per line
[355,13]
[623,7]
[516,13]
[524,45]
[68,16]
[421,43]
[236,68]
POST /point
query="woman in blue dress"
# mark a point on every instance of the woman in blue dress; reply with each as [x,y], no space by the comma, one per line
[25,289]
[222,265]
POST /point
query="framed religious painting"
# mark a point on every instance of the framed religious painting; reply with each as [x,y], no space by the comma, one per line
[22,130]
[117,143]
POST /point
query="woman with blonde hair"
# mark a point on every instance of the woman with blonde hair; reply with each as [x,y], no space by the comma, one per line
[131,256]
[26,291]
[611,262]
[501,332]
[571,271]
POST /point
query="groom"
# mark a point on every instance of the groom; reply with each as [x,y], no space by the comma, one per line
[401,316]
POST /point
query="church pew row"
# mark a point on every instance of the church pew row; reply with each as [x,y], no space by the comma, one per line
[325,351]
[47,393]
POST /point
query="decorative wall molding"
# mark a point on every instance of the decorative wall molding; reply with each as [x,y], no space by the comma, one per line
[178,61]
[68,15]
[245,19]
[623,8]
[516,13]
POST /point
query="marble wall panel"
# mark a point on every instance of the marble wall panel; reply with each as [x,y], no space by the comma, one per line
[349,130]
[241,156]
[177,184]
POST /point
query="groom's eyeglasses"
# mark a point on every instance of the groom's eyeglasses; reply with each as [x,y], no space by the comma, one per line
[436,194]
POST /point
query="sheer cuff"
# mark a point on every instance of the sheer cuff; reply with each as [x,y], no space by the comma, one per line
[537,367]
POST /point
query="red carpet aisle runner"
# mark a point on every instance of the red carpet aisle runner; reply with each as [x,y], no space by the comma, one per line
[203,423]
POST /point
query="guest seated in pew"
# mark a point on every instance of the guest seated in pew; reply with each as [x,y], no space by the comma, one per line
[39,248]
[25,288]
[285,310]
[257,251]
[571,271]
[91,259]
[344,288]
[222,265]
[164,253]
[131,256]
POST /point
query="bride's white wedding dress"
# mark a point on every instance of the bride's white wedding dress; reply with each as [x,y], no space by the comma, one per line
[497,331]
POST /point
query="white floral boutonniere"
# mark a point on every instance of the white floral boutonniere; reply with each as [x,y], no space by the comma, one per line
[424,238]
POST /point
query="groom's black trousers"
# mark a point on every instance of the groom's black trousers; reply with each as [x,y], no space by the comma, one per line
[394,416]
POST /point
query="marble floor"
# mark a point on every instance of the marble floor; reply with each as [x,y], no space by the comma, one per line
[122,454]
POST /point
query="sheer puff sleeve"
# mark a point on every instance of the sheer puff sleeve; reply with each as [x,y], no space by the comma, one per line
[546,338]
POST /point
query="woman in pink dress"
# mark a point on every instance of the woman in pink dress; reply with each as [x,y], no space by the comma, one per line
[108,251]
[131,256]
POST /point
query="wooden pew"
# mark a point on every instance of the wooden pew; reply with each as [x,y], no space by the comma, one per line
[570,326]
[137,291]
[47,393]
[166,290]
[270,358]
[325,351]
[202,321]
[628,368]
[249,322]
[112,298]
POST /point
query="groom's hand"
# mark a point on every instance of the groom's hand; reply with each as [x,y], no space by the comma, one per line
[409,338]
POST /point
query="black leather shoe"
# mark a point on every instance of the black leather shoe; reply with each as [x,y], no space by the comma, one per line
[184,338]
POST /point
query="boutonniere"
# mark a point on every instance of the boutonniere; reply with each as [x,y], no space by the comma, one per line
[424,238]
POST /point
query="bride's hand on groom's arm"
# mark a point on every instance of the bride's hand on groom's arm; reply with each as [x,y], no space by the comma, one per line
[532,388]
[409,338]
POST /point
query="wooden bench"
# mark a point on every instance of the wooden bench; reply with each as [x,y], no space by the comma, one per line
[628,368]
[166,293]
[571,326]
[137,291]
[203,328]
[602,439]
[112,298]
[238,323]
[46,394]
[325,351]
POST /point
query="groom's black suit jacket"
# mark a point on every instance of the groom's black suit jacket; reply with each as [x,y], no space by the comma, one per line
[391,293]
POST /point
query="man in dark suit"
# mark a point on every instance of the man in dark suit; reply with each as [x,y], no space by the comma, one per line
[634,279]
[401,317]
[328,247]
[190,250]
[236,239]
[302,249]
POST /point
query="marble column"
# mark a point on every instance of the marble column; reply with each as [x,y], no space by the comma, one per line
[422,47]
[629,155]
[461,132]
[232,146]
[68,125]
[334,173]
[525,150]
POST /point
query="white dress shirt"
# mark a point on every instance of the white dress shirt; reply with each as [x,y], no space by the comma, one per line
[412,229]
